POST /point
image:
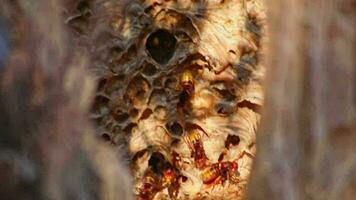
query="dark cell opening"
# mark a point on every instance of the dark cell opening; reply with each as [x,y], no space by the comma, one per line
[146,114]
[170,83]
[161,46]
[115,52]
[120,116]
[100,102]
[129,127]
[149,70]
[175,128]
[183,98]
[101,84]
[184,178]
[84,8]
[105,137]
[246,104]
[225,108]
[157,162]
[133,112]
[226,94]
[232,140]
[80,24]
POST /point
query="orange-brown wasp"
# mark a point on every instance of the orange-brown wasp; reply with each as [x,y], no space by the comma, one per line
[170,180]
[160,175]
[153,183]
[187,85]
[187,81]
[193,139]
[220,172]
[150,186]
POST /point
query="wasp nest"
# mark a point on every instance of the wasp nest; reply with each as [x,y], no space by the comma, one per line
[179,85]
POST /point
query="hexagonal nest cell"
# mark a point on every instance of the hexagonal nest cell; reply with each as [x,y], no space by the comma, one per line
[180,88]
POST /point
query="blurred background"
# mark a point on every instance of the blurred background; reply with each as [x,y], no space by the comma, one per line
[307,141]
